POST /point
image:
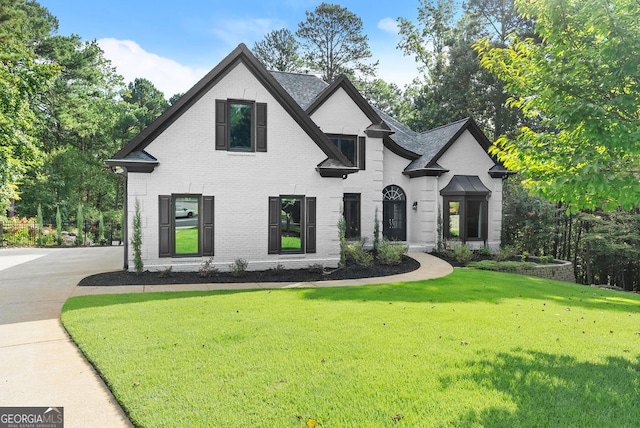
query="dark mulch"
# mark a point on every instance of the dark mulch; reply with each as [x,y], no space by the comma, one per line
[273,275]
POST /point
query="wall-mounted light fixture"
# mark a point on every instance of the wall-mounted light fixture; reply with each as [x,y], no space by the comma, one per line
[415,206]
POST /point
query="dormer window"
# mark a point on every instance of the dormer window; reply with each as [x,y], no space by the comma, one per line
[351,146]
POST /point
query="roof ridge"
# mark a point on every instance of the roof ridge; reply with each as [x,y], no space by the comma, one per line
[466,119]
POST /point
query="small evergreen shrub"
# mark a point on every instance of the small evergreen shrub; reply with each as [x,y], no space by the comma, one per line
[376,231]
[58,226]
[390,253]
[505,253]
[136,240]
[503,266]
[207,269]
[166,273]
[80,224]
[545,260]
[239,267]
[278,269]
[356,253]
[342,231]
[462,253]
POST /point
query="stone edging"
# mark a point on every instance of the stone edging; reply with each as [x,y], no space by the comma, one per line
[559,270]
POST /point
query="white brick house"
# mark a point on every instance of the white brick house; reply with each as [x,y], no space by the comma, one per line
[261,166]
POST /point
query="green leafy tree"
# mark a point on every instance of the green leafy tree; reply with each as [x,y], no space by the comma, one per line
[279,50]
[453,84]
[579,80]
[22,78]
[144,103]
[388,97]
[333,42]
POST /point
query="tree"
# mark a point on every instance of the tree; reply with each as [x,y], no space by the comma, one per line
[385,96]
[279,51]
[143,103]
[22,77]
[454,86]
[332,42]
[75,124]
[579,81]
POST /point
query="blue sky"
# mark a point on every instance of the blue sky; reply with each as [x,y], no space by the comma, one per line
[174,44]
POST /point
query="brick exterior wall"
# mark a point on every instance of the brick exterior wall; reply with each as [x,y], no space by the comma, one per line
[242,182]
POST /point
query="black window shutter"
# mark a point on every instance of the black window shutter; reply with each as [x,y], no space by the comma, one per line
[261,127]
[361,152]
[310,225]
[207,225]
[164,221]
[222,136]
[274,225]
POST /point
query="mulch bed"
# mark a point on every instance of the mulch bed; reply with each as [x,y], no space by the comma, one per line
[273,275]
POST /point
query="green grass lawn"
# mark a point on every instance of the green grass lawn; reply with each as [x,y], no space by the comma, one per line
[187,241]
[473,349]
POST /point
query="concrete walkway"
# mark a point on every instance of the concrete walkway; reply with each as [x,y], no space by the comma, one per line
[41,366]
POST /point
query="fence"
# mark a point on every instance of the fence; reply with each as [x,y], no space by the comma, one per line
[28,234]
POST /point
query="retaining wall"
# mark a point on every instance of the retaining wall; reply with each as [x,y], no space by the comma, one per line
[559,270]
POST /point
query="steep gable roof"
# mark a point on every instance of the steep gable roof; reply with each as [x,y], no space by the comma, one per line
[239,55]
[432,145]
[422,149]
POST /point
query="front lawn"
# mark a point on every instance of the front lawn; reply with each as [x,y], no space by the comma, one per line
[475,348]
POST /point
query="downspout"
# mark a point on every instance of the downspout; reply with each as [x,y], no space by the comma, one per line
[438,212]
[122,171]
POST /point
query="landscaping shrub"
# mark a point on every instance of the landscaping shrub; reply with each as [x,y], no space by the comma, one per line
[356,253]
[342,230]
[80,224]
[58,226]
[503,266]
[390,253]
[239,267]
[544,260]
[166,273]
[207,269]
[462,253]
[136,240]
[505,253]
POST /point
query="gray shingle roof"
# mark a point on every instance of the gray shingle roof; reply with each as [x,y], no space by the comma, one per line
[429,145]
[303,88]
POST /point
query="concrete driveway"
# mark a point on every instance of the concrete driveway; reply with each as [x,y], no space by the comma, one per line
[40,366]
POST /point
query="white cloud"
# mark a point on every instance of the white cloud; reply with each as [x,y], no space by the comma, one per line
[132,61]
[388,25]
[236,31]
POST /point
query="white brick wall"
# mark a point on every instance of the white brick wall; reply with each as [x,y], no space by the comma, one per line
[467,157]
[240,182]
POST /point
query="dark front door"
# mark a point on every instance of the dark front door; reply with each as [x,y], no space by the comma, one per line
[394,214]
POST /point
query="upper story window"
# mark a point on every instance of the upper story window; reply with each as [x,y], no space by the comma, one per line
[240,129]
[241,126]
[352,147]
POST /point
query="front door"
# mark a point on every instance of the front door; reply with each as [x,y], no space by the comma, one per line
[394,214]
